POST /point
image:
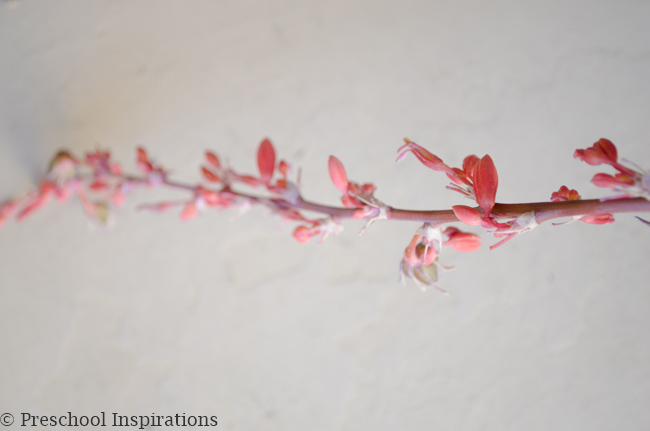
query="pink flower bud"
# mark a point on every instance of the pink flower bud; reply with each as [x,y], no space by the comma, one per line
[189,212]
[266,160]
[213,159]
[337,174]
[486,182]
[425,157]
[610,181]
[209,175]
[462,241]
[603,151]
[564,194]
[598,218]
[467,215]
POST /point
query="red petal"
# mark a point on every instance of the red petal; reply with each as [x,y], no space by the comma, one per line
[266,160]
[209,175]
[213,159]
[467,215]
[486,182]
[337,174]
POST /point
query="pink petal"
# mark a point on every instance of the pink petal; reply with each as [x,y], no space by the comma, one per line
[598,218]
[266,160]
[504,240]
[464,241]
[189,212]
[142,155]
[607,148]
[486,182]
[213,159]
[337,174]
[467,215]
[469,165]
[425,157]
[609,181]
[603,151]
[209,175]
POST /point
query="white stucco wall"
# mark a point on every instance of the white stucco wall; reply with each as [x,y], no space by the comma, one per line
[236,319]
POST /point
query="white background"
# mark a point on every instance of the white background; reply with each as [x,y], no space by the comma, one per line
[236,319]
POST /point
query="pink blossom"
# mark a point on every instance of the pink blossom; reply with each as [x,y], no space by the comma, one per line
[603,151]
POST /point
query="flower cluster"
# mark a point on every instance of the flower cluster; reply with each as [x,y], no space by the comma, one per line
[420,261]
[477,180]
[565,195]
[101,184]
[629,181]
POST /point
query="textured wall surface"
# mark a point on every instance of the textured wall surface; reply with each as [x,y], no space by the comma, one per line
[236,319]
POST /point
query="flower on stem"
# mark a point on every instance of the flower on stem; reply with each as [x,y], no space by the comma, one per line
[204,198]
[323,228]
[100,162]
[356,195]
[420,261]
[486,182]
[477,180]
[461,241]
[266,163]
[631,182]
[602,152]
[508,229]
[565,194]
[462,178]
[155,174]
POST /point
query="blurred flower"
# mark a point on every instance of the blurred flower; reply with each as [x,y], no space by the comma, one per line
[630,181]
